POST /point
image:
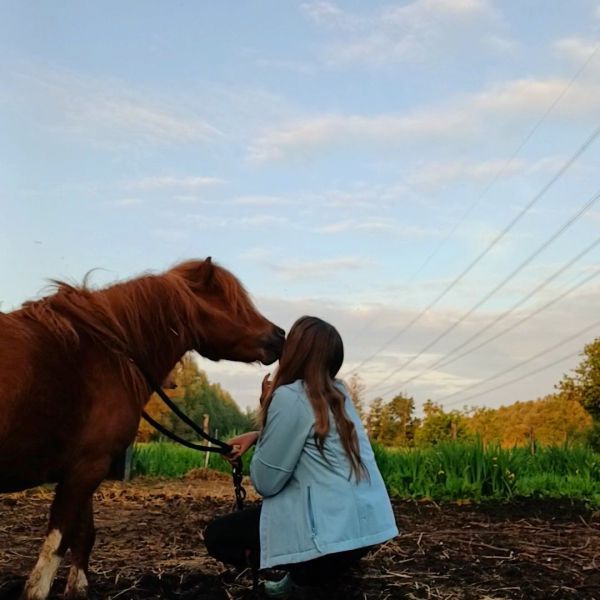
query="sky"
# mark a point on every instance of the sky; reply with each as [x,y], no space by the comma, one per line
[420,173]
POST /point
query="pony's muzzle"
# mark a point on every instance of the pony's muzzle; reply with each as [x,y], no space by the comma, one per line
[273,345]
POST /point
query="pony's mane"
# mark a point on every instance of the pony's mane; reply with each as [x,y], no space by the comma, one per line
[136,318]
[229,285]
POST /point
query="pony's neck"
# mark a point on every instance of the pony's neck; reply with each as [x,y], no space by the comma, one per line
[151,316]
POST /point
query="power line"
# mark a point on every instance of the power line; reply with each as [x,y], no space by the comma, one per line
[565,167]
[508,278]
[472,206]
[448,359]
[509,161]
[442,361]
[535,199]
[521,364]
[520,378]
[523,320]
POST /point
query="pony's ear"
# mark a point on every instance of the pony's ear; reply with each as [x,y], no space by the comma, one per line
[197,273]
[208,270]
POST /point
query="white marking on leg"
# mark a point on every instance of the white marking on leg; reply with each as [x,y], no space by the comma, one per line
[40,580]
[77,583]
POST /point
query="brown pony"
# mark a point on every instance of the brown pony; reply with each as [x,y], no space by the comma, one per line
[71,392]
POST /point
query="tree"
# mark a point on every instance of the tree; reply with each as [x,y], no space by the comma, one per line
[554,419]
[374,420]
[397,423]
[584,385]
[253,416]
[438,426]
[196,396]
[486,424]
[159,411]
[356,388]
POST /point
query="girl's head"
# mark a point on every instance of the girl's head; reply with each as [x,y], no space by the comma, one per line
[314,352]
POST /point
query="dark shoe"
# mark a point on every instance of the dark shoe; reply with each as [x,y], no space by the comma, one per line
[284,588]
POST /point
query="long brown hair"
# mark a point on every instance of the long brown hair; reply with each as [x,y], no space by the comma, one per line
[314,352]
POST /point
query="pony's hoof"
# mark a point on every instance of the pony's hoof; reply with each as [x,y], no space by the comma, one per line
[30,593]
[77,585]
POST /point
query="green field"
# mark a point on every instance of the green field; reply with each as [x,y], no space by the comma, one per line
[448,472]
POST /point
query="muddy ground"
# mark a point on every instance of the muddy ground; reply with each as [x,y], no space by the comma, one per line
[149,545]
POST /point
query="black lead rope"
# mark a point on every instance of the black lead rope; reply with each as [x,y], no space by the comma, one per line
[173,436]
[238,474]
[222,447]
[219,446]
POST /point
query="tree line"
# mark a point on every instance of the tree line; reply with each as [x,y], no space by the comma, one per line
[572,413]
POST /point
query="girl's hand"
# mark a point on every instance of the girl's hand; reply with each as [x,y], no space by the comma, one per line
[265,388]
[241,444]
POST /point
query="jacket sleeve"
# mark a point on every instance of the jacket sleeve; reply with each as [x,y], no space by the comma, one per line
[281,442]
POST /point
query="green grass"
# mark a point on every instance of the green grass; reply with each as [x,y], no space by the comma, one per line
[453,471]
[465,471]
[165,459]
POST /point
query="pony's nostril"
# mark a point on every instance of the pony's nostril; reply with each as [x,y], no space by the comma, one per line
[280,332]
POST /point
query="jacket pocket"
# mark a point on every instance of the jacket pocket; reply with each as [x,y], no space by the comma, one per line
[311,517]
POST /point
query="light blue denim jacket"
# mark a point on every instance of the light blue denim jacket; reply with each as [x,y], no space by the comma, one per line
[311,504]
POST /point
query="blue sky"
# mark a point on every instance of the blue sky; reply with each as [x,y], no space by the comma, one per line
[323,152]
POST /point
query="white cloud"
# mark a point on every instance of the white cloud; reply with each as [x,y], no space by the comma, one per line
[501,44]
[461,119]
[432,176]
[262,220]
[295,66]
[457,8]
[323,12]
[361,197]
[363,332]
[131,118]
[249,201]
[577,49]
[170,235]
[318,269]
[531,97]
[301,136]
[435,175]
[416,31]
[261,201]
[128,202]
[105,112]
[378,225]
[189,183]
[211,222]
[190,199]
[593,215]
[256,253]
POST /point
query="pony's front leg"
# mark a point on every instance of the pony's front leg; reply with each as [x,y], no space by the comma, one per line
[81,547]
[40,579]
[72,499]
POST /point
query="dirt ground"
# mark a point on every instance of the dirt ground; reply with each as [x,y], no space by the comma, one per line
[149,545]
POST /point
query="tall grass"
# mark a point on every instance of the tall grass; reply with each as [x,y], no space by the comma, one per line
[165,459]
[453,471]
[456,471]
